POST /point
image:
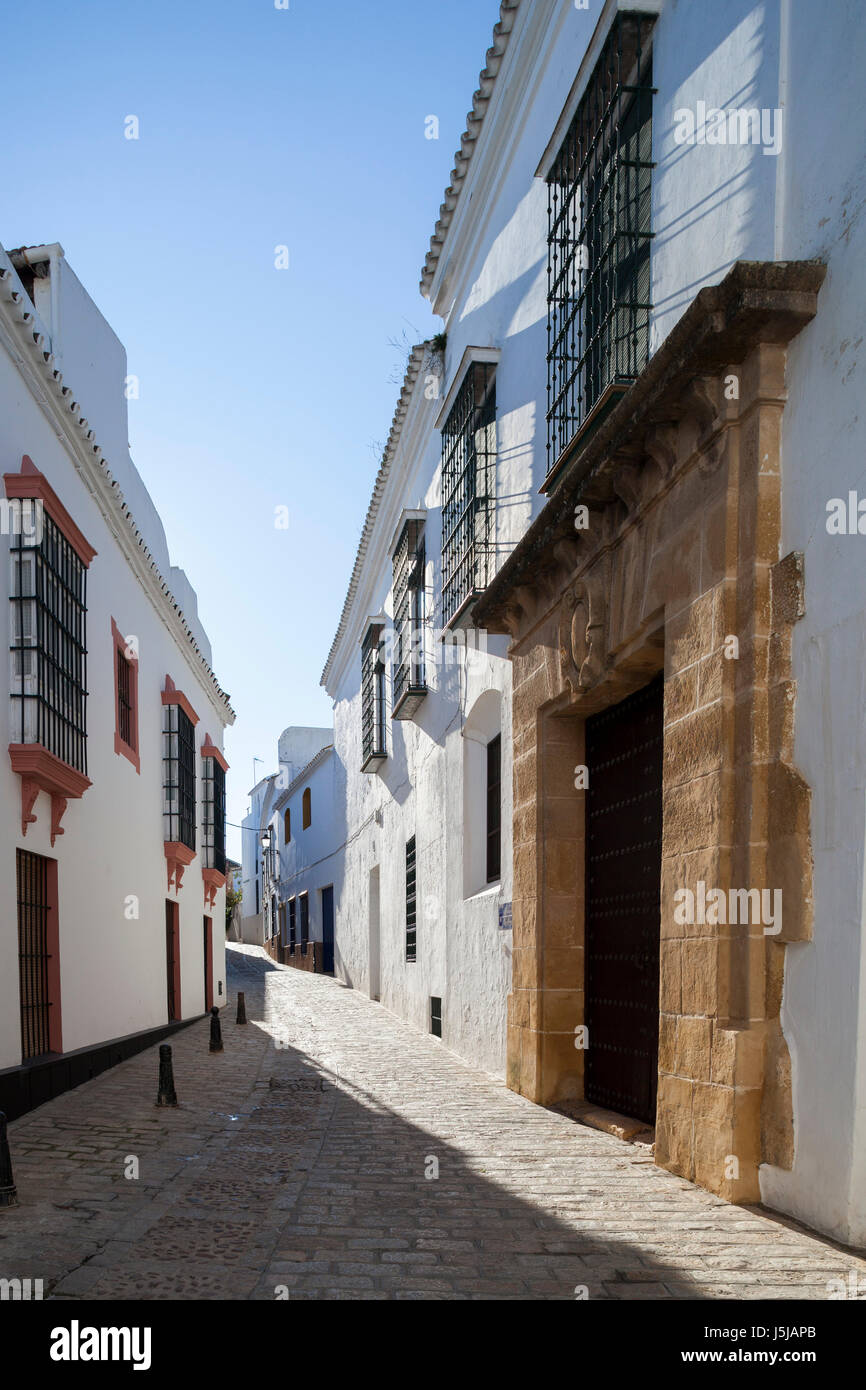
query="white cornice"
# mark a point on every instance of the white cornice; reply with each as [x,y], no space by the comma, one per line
[30,350]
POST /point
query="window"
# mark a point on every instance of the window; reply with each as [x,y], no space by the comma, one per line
[292,924]
[178,776]
[125,697]
[468,489]
[305,922]
[599,237]
[373,748]
[214,815]
[411,900]
[48,646]
[38,955]
[287,826]
[306,809]
[408,686]
[435,1016]
[494,808]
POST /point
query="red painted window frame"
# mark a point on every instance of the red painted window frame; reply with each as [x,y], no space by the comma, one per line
[126,750]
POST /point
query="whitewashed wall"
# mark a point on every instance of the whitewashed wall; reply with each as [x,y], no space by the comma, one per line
[113,970]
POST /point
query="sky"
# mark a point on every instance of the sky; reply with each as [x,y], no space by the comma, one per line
[260,387]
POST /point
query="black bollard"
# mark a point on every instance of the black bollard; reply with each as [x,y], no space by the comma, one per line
[242,1008]
[216,1034]
[8,1195]
[167,1094]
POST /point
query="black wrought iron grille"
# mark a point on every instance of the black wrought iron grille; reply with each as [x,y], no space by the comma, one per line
[49,653]
[468,490]
[411,899]
[214,815]
[436,1016]
[305,922]
[599,221]
[373,695]
[33,955]
[292,916]
[124,700]
[494,808]
[179,776]
[409,562]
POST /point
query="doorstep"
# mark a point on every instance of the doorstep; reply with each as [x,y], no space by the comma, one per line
[623,1127]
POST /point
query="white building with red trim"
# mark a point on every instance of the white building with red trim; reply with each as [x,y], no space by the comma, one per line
[112,793]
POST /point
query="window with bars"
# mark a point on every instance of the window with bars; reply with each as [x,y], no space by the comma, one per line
[411,900]
[373,747]
[124,699]
[48,648]
[468,491]
[178,762]
[436,1015]
[35,952]
[214,815]
[494,809]
[305,922]
[292,924]
[599,233]
[408,684]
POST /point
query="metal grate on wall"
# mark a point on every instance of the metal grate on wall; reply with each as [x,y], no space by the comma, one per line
[49,653]
[33,953]
[599,233]
[178,761]
[372,696]
[408,675]
[214,815]
[411,900]
[435,1016]
[468,490]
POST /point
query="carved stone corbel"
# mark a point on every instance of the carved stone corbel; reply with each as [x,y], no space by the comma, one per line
[581,636]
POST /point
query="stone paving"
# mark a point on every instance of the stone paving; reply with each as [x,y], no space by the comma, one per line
[302,1163]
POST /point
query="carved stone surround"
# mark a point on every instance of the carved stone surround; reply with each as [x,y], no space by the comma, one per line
[680,555]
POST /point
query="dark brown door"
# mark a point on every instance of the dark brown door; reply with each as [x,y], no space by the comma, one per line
[172,960]
[623,889]
[208,964]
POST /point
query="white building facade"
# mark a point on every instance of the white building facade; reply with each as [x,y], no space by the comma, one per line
[570,246]
[113,799]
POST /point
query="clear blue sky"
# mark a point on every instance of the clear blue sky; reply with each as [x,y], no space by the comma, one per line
[259,387]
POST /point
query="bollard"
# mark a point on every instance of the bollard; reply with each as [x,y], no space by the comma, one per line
[8,1195]
[216,1035]
[167,1094]
[242,1008]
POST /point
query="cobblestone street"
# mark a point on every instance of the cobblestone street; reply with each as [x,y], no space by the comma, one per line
[299,1164]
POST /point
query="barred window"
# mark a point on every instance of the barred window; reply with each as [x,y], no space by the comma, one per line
[214,815]
[178,760]
[292,923]
[373,747]
[599,214]
[48,648]
[305,922]
[468,491]
[408,686]
[494,809]
[411,900]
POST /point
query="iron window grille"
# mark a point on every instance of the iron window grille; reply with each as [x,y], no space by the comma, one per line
[408,683]
[214,815]
[494,809]
[305,922]
[411,900]
[468,491]
[373,746]
[292,924]
[33,953]
[48,649]
[435,1016]
[599,234]
[124,700]
[178,762]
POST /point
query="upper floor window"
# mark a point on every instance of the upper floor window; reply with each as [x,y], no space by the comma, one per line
[214,814]
[178,776]
[48,647]
[307,809]
[599,192]
[125,696]
[468,490]
[287,826]
[373,748]
[411,901]
[408,686]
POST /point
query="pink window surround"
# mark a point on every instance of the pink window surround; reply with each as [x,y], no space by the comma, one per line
[40,770]
[127,750]
[212,878]
[172,696]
